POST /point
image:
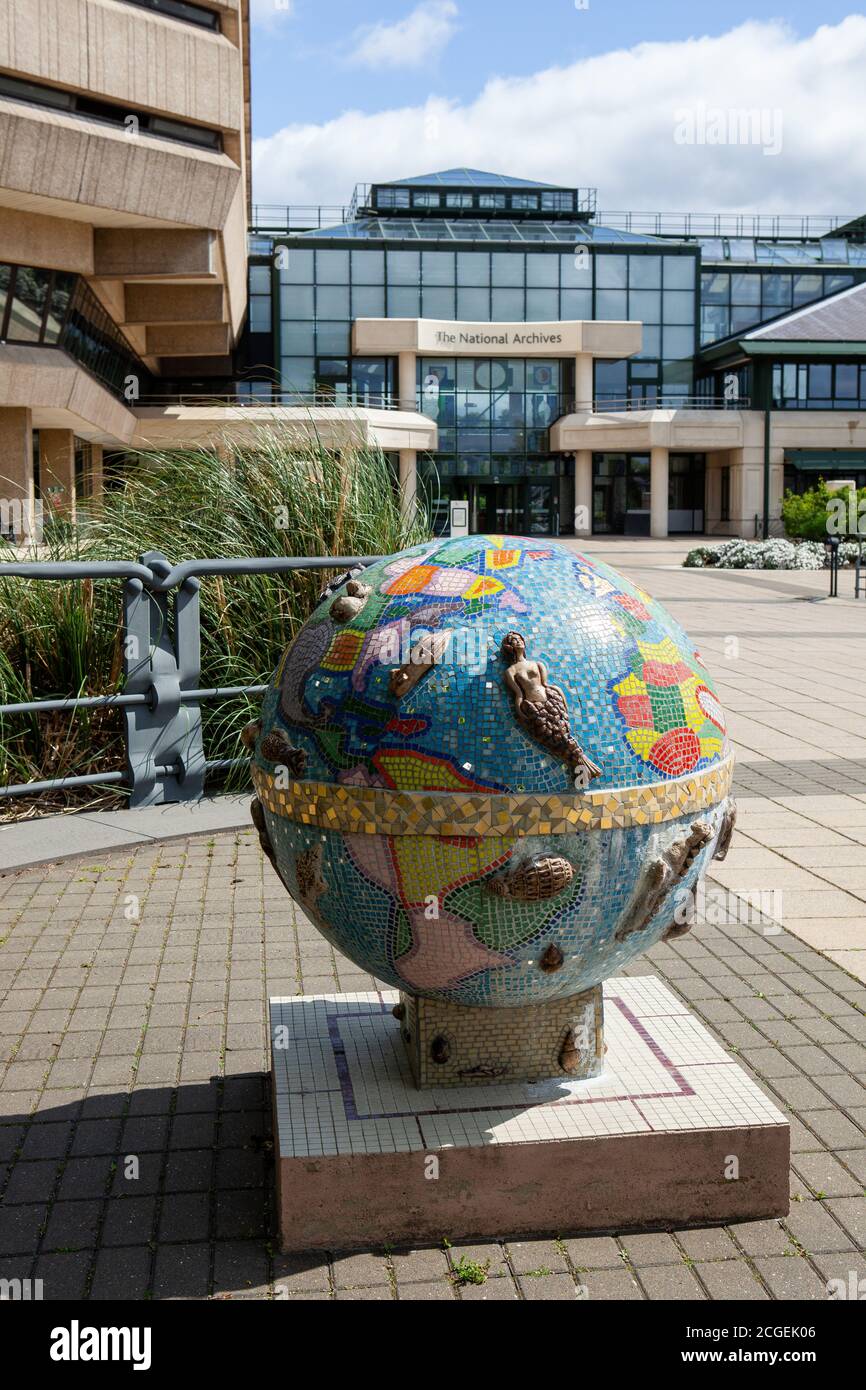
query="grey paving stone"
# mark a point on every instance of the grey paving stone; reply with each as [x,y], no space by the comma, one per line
[791,1277]
[418,1266]
[527,1256]
[610,1283]
[813,1227]
[122,1274]
[31,1182]
[493,1290]
[302,1272]
[851,1211]
[825,1174]
[182,1271]
[128,1220]
[357,1271]
[671,1282]
[711,1243]
[762,1237]
[434,1292]
[548,1287]
[64,1274]
[20,1228]
[594,1252]
[72,1226]
[184,1217]
[730,1279]
[651,1249]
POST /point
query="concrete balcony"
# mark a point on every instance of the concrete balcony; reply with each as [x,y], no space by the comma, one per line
[123,53]
[333,426]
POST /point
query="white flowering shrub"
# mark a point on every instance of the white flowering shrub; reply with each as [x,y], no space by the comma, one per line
[774,554]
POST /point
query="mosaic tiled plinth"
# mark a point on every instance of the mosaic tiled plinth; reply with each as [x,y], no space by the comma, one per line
[452,1045]
[672,1133]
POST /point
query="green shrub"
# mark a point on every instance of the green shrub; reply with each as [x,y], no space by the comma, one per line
[806,516]
[60,639]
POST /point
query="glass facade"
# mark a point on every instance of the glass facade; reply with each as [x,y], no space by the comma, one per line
[51,308]
[733,301]
[819,385]
[476,248]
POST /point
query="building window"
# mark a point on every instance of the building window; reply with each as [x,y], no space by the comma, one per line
[560,201]
[392,197]
[93,109]
[181,9]
[819,385]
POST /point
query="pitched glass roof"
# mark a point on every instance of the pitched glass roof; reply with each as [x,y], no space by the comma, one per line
[469,178]
[745,250]
[430,229]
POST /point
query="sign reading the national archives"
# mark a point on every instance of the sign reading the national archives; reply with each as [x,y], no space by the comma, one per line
[444,338]
[523,339]
[506,340]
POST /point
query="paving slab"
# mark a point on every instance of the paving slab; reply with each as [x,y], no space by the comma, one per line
[84,991]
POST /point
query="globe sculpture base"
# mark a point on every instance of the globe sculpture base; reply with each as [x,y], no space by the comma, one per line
[364,1158]
[454,1045]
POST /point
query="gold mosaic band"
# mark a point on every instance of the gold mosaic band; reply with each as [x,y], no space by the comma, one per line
[380,811]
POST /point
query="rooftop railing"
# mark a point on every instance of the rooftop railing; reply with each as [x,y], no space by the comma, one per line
[767,226]
[296,217]
[161,695]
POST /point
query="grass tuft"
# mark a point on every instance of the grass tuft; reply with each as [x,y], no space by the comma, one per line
[268,497]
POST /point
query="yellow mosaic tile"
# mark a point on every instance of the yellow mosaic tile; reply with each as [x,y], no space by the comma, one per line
[380,811]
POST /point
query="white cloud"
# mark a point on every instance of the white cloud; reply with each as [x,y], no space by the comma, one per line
[411,42]
[616,122]
[266,14]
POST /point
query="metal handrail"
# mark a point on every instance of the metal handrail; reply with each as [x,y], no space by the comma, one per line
[615,405]
[168,693]
[372,401]
[769,226]
[284,217]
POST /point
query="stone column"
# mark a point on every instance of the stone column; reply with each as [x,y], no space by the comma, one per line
[408,481]
[583,492]
[97,474]
[583,381]
[17,492]
[57,470]
[406,380]
[659,492]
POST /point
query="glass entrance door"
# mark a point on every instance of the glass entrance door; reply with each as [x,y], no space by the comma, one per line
[621,494]
[497,509]
[541,518]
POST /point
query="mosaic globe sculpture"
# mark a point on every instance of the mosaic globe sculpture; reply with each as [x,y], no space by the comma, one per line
[491,771]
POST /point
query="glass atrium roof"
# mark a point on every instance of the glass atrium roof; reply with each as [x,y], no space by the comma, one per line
[747,250]
[467,178]
[430,229]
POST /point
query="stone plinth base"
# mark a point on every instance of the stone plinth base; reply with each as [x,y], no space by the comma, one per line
[672,1133]
[452,1045]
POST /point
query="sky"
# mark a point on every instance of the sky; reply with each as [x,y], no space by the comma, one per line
[660,104]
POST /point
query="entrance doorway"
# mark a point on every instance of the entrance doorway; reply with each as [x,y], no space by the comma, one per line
[519,508]
[686,482]
[621,494]
[515,509]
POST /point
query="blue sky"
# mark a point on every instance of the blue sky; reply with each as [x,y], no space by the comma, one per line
[582,89]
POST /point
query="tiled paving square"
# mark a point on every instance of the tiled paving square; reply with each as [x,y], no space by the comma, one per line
[111,1039]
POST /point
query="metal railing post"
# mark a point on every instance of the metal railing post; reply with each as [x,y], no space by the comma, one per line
[164,747]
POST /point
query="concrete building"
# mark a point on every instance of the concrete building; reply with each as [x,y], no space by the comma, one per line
[587,373]
[124,210]
[559,370]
